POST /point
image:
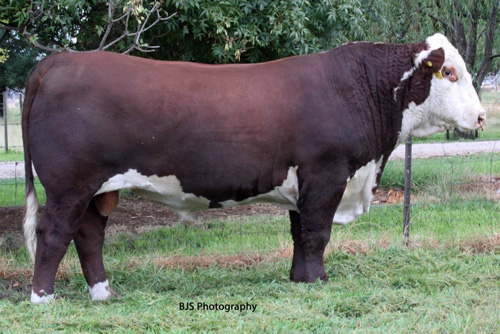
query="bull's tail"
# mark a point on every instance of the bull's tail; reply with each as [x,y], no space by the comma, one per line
[31,201]
[29,223]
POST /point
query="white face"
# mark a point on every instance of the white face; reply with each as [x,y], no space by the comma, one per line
[452,101]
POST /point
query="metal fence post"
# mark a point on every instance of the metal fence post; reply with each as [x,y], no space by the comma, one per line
[4,96]
[407,192]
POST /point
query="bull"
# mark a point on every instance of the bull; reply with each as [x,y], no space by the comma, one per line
[309,133]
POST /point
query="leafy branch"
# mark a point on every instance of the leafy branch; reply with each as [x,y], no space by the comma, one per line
[134,10]
[64,20]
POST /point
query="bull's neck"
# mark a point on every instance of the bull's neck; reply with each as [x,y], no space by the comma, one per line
[381,81]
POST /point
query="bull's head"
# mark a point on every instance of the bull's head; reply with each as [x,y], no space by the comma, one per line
[452,100]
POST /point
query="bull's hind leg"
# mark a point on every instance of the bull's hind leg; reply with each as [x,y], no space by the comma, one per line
[89,243]
[55,230]
[311,231]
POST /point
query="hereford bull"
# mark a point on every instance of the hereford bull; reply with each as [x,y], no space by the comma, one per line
[311,134]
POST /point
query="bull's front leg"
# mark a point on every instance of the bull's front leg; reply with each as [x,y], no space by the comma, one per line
[311,230]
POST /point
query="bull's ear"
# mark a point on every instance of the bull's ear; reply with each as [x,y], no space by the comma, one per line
[433,61]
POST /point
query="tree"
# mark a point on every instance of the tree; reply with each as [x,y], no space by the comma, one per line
[203,30]
[20,58]
[55,25]
[221,31]
[32,29]
[214,31]
[470,25]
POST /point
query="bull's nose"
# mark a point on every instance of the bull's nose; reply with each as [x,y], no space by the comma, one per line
[480,120]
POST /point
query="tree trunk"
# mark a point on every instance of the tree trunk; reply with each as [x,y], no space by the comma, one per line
[488,46]
[460,38]
[470,56]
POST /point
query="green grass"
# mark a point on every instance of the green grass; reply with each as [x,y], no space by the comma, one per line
[377,289]
[11,156]
[442,171]
[492,132]
[392,291]
[12,192]
[14,115]
[459,220]
[448,281]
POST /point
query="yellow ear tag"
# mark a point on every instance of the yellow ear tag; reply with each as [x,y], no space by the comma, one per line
[438,75]
[429,63]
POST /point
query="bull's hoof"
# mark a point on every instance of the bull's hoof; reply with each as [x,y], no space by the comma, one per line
[308,277]
[37,299]
[102,291]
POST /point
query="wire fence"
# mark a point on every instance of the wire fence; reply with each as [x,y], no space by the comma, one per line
[455,197]
[10,127]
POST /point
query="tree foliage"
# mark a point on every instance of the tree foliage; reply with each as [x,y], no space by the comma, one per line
[53,25]
[4,55]
[202,30]
[221,31]
[217,31]
[469,24]
[19,59]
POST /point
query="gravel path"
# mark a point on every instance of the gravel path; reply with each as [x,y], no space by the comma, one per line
[447,149]
[11,170]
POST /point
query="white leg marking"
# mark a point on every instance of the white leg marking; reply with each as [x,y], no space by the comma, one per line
[29,224]
[35,298]
[100,291]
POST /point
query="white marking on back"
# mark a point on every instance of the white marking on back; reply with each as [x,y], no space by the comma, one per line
[358,193]
[284,196]
[165,190]
[100,291]
[35,298]
[405,76]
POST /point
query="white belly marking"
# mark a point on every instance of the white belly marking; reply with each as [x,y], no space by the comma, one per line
[358,193]
[165,190]
[284,196]
[168,190]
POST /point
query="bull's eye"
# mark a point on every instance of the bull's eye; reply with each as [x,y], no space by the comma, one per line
[447,73]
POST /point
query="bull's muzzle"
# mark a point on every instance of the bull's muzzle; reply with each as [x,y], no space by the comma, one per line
[480,120]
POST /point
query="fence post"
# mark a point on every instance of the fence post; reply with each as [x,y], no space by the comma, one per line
[4,97]
[407,192]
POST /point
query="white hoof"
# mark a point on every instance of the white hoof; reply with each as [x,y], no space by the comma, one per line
[100,291]
[35,298]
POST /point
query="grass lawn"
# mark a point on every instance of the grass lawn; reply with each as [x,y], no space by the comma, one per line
[440,285]
[11,156]
[447,281]
[442,172]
